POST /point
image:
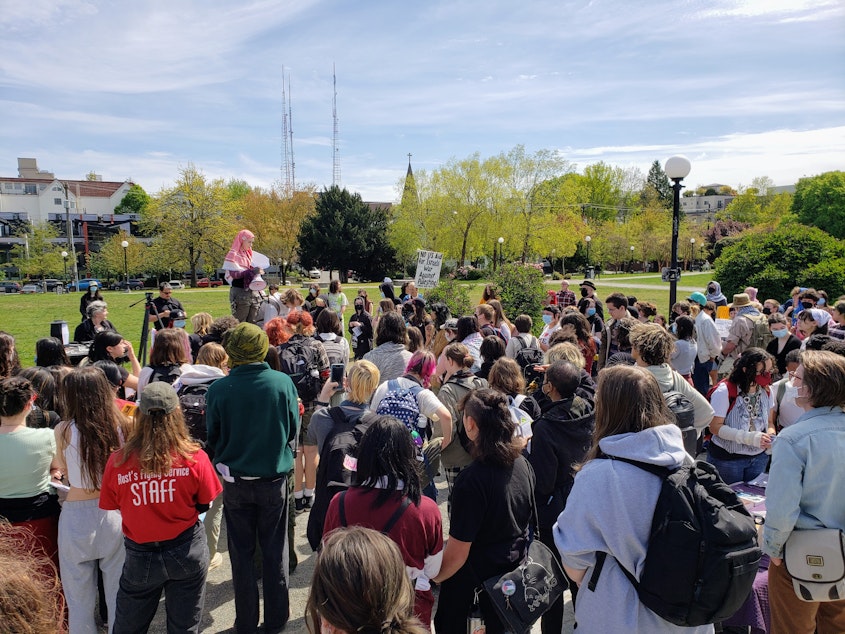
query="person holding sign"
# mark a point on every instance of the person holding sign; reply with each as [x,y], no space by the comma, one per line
[243,273]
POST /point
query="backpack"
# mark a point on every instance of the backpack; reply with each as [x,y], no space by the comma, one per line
[261,317]
[192,402]
[165,373]
[761,335]
[702,554]
[336,466]
[520,417]
[733,392]
[684,412]
[300,360]
[401,402]
[528,355]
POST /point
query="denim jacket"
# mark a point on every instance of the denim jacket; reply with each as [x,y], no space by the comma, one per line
[807,481]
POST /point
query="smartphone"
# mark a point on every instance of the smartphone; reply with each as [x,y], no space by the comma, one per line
[338,370]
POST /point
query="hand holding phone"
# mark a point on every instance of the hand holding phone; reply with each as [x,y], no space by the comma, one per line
[337,372]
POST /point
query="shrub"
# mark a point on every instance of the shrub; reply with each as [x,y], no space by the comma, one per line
[776,261]
[521,290]
[454,294]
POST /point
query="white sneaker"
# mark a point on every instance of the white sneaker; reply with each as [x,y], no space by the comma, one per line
[215,561]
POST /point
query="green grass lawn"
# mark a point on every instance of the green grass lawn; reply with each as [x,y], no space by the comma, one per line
[28,317]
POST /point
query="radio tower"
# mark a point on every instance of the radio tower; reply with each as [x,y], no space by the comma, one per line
[336,155]
[288,171]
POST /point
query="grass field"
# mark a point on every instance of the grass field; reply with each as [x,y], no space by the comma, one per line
[28,317]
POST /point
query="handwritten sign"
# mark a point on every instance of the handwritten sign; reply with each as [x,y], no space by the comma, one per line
[428,269]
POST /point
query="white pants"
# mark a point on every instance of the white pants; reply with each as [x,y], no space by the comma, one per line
[89,538]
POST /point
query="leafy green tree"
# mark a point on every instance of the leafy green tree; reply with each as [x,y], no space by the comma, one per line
[658,182]
[193,223]
[133,202]
[745,208]
[111,252]
[521,290]
[39,255]
[819,201]
[775,261]
[345,233]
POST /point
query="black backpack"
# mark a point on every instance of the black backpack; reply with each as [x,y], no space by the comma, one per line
[192,402]
[165,373]
[340,448]
[702,553]
[528,355]
[300,360]
[684,412]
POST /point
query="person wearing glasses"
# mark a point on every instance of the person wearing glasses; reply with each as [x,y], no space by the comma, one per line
[165,304]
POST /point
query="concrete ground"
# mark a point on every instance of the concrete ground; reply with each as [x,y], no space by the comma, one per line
[219,615]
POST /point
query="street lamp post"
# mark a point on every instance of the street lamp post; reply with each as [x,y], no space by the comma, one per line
[125,246]
[631,265]
[677,169]
[501,253]
[64,258]
[691,253]
[284,272]
[588,239]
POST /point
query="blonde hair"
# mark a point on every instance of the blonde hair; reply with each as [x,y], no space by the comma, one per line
[201,322]
[565,352]
[363,378]
[213,354]
[292,296]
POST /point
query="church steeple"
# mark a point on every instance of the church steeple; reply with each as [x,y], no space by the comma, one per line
[409,194]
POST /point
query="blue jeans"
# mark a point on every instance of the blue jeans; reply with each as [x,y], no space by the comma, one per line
[701,376]
[740,469]
[258,509]
[178,567]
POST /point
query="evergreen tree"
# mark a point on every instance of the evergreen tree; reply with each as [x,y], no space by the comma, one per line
[658,182]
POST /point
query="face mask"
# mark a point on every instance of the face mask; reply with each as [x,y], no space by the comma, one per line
[763,380]
[591,312]
[780,334]
[359,307]
[821,302]
[450,336]
[92,290]
[767,311]
[583,292]
[674,329]
[807,305]
[179,323]
[547,319]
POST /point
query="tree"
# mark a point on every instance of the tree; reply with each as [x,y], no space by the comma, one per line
[658,182]
[819,201]
[745,208]
[275,217]
[39,255]
[193,222]
[521,289]
[345,233]
[133,202]
[111,252]
[775,261]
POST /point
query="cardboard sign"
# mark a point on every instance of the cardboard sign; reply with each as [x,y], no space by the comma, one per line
[428,269]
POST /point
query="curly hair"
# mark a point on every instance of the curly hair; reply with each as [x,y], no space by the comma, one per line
[652,342]
[745,367]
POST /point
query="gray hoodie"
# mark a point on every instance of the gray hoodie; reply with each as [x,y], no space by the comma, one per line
[198,373]
[610,509]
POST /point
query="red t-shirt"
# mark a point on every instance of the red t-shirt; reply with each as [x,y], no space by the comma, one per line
[158,508]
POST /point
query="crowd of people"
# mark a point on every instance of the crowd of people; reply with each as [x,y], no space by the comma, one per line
[119,476]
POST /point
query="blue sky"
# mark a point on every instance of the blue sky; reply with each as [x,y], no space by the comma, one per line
[744,88]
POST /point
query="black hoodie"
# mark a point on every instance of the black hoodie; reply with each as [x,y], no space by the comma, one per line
[562,437]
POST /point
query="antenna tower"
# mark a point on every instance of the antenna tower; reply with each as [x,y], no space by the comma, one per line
[336,149]
[288,174]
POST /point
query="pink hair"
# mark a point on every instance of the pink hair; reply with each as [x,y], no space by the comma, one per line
[423,363]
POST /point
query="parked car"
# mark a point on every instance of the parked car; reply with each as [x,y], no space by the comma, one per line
[176,285]
[205,282]
[31,289]
[134,285]
[84,284]
[10,287]
[315,274]
[51,284]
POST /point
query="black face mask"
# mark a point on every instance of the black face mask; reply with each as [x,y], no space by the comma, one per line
[767,311]
[711,289]
[583,292]
[359,307]
[807,305]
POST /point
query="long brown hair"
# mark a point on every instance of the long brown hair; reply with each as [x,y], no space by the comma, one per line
[495,444]
[170,347]
[157,438]
[360,585]
[628,399]
[90,403]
